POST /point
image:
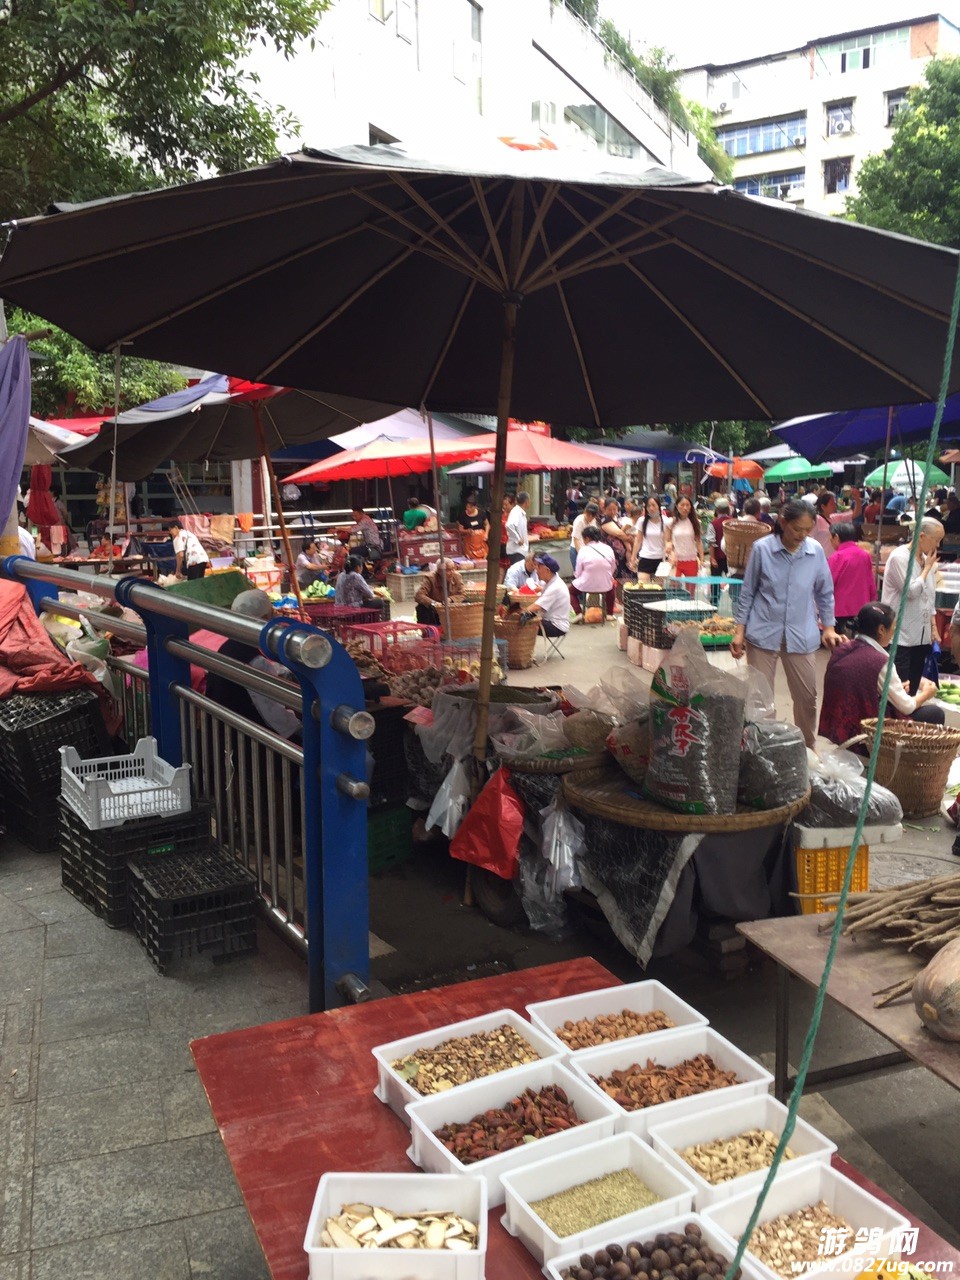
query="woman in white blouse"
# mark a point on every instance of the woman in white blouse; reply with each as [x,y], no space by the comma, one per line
[648,544]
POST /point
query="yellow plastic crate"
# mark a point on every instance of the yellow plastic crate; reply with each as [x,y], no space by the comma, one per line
[821,871]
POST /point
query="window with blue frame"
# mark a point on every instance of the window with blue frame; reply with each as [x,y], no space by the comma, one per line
[773,185]
[768,135]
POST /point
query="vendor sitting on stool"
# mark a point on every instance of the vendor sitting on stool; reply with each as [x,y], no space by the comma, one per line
[595,569]
[552,609]
[309,566]
[352,588]
[522,574]
[429,598]
[855,676]
[370,546]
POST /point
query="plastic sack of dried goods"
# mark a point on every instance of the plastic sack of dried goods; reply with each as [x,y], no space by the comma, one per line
[563,837]
[523,735]
[773,765]
[629,744]
[588,729]
[696,722]
[837,787]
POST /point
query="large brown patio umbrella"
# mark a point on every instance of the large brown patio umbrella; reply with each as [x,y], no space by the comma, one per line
[530,286]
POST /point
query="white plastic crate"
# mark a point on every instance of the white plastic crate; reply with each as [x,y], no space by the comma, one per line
[609,1155]
[400,1193]
[795,1189]
[638,997]
[711,1236]
[428,1152]
[809,1147]
[398,1094]
[668,1048]
[111,790]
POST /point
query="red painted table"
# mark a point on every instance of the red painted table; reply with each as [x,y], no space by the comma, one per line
[295,1099]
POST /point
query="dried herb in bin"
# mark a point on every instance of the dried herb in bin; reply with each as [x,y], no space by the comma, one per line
[591,1203]
[529,1116]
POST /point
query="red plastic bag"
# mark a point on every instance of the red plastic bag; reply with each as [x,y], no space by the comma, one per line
[489,835]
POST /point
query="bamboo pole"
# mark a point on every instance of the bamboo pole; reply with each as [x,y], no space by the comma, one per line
[284,534]
[886,459]
[436,499]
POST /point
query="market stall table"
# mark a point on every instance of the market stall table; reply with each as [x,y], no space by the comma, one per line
[295,1099]
[100,564]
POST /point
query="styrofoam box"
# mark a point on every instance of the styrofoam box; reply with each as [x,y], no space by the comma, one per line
[397,1094]
[652,659]
[668,1048]
[400,1193]
[711,1236]
[809,1146]
[609,1155]
[795,1189]
[837,837]
[638,997]
[634,651]
[456,1106]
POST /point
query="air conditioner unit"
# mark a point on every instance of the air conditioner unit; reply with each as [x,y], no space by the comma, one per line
[799,142]
[794,195]
[722,109]
[841,126]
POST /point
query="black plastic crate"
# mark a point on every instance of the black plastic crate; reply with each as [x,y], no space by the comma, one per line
[390,782]
[634,598]
[182,905]
[96,861]
[33,728]
[34,821]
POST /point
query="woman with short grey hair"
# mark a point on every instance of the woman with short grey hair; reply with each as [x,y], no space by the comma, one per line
[914,576]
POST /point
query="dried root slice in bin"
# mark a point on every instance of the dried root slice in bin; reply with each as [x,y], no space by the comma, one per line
[364,1226]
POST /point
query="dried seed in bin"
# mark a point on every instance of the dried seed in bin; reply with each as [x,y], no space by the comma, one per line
[589,1204]
[636,1087]
[584,1033]
[797,1237]
[365,1226]
[464,1058]
[674,1255]
[725,1158]
[531,1115]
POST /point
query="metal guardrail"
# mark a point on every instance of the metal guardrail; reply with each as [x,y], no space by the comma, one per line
[295,815]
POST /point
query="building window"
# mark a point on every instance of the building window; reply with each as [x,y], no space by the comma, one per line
[407,20]
[378,9]
[839,119]
[543,113]
[896,102]
[836,175]
[769,135]
[775,186]
[861,52]
[467,48]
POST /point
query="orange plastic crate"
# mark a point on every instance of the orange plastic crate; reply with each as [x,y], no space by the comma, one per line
[821,871]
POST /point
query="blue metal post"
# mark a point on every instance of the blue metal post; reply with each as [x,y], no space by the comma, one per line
[165,670]
[335,824]
[35,590]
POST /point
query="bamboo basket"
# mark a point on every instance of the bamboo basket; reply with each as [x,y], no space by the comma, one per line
[914,762]
[466,619]
[520,640]
[738,540]
[890,534]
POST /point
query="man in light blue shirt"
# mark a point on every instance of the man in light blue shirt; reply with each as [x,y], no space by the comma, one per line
[522,574]
[787,597]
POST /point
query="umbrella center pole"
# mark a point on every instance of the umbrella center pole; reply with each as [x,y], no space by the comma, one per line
[284,533]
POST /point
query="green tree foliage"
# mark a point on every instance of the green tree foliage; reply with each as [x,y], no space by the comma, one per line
[709,147]
[99,97]
[70,380]
[732,438]
[914,186]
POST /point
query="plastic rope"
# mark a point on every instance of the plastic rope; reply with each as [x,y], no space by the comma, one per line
[814,1027]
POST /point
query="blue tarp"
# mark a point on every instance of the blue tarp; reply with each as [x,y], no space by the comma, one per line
[838,435]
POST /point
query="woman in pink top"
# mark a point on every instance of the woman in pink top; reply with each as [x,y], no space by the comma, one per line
[854,581]
[596,565]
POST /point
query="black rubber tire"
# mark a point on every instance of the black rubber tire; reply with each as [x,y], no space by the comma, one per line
[497,898]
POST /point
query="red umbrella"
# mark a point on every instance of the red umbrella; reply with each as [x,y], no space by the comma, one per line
[743,469]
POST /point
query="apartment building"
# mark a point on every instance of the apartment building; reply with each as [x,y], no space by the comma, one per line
[445,76]
[799,122]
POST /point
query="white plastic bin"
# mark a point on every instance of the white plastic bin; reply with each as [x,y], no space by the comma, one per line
[111,790]
[398,1095]
[711,1236]
[597,1113]
[638,997]
[668,1048]
[400,1193]
[609,1155]
[809,1147]
[795,1189]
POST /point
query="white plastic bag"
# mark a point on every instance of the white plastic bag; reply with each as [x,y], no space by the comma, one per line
[451,802]
[563,838]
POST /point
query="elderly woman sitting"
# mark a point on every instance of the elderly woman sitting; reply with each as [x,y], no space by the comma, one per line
[595,569]
[429,598]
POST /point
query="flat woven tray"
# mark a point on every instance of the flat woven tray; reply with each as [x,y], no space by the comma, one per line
[603,793]
[592,760]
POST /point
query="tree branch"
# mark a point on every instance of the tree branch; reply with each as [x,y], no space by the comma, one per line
[63,77]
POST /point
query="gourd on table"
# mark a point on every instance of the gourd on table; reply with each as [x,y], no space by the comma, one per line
[936,993]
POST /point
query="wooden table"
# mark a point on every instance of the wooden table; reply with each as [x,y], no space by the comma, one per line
[295,1099]
[860,969]
[100,564]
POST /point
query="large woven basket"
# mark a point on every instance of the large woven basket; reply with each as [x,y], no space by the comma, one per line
[890,534]
[914,762]
[738,540]
[520,640]
[466,619]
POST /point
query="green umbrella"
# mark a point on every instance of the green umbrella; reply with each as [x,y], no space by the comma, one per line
[905,474]
[796,469]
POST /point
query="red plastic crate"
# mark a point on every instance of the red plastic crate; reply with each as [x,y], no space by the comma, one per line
[335,617]
[398,646]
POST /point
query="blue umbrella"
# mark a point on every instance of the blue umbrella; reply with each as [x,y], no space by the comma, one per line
[838,435]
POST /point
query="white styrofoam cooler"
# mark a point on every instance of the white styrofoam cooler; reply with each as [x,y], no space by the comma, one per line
[711,1236]
[809,1146]
[609,1155]
[398,1095]
[597,1112]
[795,1189]
[837,837]
[400,1193]
[667,1048]
[638,997]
